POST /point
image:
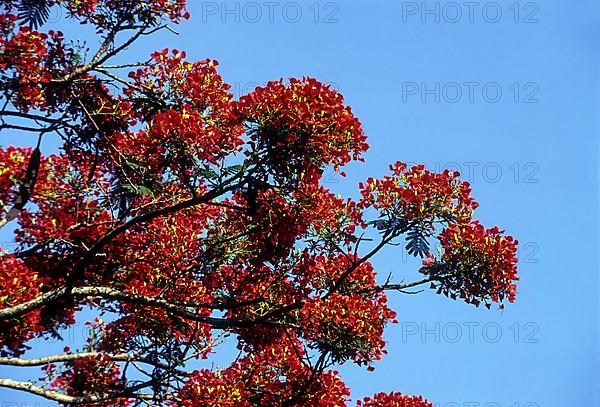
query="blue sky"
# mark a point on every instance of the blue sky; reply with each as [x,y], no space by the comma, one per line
[506,92]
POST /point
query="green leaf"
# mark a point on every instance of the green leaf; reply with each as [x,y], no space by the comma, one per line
[145,190]
[233,169]
[133,165]
[209,174]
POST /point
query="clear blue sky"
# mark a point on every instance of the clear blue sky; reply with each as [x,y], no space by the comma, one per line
[425,84]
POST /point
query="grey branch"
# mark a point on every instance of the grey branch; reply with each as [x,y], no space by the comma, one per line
[63,398]
[120,357]
[113,294]
[401,287]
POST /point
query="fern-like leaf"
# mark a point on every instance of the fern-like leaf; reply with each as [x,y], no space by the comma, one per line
[393,226]
[417,244]
[34,13]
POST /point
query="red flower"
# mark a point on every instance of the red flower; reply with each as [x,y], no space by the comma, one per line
[418,194]
[19,284]
[394,399]
[348,326]
[304,121]
[91,376]
[476,264]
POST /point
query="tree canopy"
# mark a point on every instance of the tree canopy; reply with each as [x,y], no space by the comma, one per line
[180,216]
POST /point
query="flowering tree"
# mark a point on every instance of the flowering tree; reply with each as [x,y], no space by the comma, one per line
[181,216]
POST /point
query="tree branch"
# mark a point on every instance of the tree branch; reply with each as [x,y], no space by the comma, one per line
[22,128]
[385,240]
[112,294]
[121,357]
[54,121]
[95,249]
[102,55]
[400,287]
[63,398]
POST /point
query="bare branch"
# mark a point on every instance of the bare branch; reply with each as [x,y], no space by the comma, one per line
[62,122]
[22,128]
[336,286]
[121,66]
[113,294]
[103,54]
[121,357]
[401,287]
[63,398]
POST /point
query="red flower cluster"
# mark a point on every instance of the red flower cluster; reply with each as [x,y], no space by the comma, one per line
[305,121]
[269,222]
[477,264]
[416,194]
[320,273]
[330,218]
[173,80]
[92,376]
[13,165]
[18,284]
[394,399]
[157,258]
[273,375]
[30,60]
[101,13]
[24,55]
[192,124]
[278,219]
[348,326]
[207,388]
[63,212]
